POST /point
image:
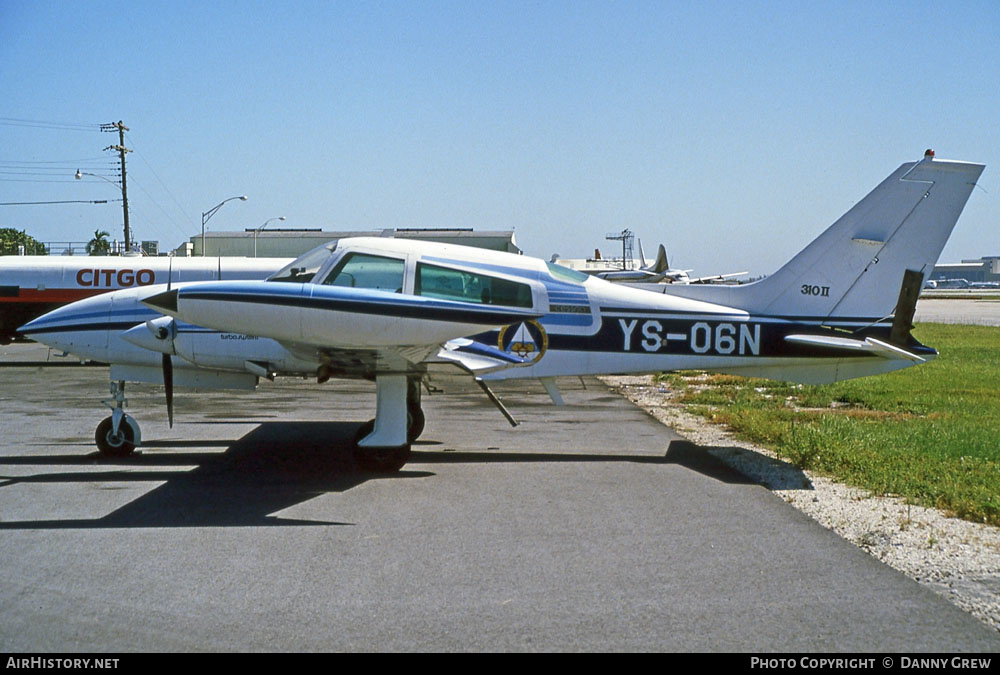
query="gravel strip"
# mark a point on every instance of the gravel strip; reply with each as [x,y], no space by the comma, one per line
[957,559]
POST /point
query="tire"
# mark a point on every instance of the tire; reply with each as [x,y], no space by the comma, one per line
[379,459]
[414,423]
[111,445]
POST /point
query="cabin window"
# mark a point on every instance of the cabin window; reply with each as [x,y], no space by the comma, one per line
[360,270]
[449,284]
[564,273]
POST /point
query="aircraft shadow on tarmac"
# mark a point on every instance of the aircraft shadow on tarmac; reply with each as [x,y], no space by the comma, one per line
[276,466]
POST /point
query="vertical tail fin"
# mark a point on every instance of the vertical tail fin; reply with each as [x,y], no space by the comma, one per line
[660,265]
[852,272]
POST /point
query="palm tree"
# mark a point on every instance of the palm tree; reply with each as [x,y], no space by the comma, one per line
[99,245]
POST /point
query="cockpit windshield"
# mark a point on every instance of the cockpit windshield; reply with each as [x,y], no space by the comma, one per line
[304,268]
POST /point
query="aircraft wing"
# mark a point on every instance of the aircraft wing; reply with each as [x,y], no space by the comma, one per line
[717,277]
[631,276]
[472,356]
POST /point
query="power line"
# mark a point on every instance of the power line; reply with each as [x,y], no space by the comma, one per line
[71,201]
[51,171]
[35,180]
[39,171]
[39,124]
[152,200]
[74,162]
[46,170]
[163,185]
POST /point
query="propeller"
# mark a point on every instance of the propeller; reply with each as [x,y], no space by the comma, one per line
[168,386]
[158,335]
[164,329]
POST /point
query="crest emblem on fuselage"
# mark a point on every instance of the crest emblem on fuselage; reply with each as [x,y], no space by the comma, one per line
[526,340]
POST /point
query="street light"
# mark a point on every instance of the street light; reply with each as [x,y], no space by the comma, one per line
[211,212]
[128,233]
[257,231]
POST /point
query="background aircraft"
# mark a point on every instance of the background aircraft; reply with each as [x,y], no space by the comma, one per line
[626,270]
[394,310]
[33,285]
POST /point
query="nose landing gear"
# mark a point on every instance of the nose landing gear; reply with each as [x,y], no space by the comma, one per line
[118,435]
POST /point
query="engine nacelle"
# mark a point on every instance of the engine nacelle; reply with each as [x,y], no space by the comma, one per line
[232,351]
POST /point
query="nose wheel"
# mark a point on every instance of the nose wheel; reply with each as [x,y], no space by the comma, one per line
[118,435]
[116,444]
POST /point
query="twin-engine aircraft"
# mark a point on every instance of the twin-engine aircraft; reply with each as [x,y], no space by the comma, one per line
[394,310]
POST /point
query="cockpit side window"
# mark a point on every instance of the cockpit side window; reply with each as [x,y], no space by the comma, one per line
[361,270]
[448,284]
[304,268]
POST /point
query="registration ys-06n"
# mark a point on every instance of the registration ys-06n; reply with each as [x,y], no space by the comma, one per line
[393,311]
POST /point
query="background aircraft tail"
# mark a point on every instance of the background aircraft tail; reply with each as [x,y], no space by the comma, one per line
[853,272]
[658,266]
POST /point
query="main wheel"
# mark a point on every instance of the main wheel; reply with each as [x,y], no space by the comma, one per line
[379,459]
[414,422]
[111,444]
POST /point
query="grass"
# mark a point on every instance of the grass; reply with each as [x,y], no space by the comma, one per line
[930,434]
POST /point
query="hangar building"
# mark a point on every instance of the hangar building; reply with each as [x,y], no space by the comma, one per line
[290,243]
[984,269]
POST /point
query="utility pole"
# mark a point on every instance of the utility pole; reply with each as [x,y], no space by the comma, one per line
[625,236]
[121,128]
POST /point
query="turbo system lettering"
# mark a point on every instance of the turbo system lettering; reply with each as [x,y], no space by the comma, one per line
[122,278]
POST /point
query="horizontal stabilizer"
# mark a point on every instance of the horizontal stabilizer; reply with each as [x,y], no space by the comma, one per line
[868,345]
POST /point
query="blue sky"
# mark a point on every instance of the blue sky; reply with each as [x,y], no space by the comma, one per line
[732,132]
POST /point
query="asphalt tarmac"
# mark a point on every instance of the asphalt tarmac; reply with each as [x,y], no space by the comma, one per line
[248,527]
[983,310]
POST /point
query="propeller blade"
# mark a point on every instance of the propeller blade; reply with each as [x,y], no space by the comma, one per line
[168,385]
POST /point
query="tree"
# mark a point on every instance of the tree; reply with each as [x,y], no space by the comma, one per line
[99,245]
[11,240]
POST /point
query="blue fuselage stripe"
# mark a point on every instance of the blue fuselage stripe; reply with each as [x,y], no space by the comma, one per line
[403,308]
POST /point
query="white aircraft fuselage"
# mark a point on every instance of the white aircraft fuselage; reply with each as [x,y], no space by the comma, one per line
[393,310]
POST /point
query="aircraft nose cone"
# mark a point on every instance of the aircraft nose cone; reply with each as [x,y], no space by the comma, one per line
[163,302]
[58,320]
[58,329]
[29,327]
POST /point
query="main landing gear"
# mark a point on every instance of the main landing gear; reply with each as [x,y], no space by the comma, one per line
[118,435]
[383,444]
